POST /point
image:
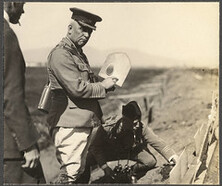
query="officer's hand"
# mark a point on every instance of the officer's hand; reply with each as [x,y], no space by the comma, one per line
[31,156]
[111,89]
[109,82]
[108,171]
[174,159]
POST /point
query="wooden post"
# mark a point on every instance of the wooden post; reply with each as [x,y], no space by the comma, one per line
[184,163]
[197,141]
[180,169]
[175,174]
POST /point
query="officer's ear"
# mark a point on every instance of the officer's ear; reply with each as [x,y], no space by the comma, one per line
[69,29]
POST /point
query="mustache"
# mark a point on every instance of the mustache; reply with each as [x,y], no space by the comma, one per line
[84,40]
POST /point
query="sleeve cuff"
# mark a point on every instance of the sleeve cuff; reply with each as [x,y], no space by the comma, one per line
[168,153]
[98,90]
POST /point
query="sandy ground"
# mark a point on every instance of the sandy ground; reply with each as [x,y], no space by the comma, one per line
[186,104]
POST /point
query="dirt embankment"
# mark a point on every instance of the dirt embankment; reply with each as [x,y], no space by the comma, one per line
[185,107]
[186,104]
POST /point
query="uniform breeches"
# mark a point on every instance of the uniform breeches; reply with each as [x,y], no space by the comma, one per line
[145,161]
[71,150]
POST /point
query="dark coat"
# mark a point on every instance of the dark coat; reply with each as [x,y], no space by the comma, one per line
[19,131]
[106,144]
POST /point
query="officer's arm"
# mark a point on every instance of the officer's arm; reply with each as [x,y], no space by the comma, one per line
[69,77]
[97,147]
[157,143]
[17,116]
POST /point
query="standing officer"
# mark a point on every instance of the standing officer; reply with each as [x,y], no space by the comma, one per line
[75,109]
[21,154]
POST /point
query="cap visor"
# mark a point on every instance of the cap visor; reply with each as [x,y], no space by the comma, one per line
[87,25]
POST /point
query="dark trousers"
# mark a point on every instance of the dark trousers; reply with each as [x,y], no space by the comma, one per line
[14,173]
[144,159]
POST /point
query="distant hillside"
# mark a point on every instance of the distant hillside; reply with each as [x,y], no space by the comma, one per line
[137,58]
[97,57]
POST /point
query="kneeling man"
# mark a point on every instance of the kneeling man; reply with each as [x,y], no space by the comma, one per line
[126,138]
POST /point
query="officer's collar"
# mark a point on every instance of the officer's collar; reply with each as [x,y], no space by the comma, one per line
[72,45]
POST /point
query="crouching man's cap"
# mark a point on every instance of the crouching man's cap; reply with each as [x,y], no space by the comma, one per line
[85,18]
[132,110]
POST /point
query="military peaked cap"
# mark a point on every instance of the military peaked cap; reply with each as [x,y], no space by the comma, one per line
[85,18]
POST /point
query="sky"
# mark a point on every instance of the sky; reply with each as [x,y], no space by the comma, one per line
[185,32]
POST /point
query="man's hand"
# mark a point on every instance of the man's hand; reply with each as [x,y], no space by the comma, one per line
[109,83]
[31,156]
[174,159]
[111,89]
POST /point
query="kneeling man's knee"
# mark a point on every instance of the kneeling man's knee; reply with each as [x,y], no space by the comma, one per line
[151,163]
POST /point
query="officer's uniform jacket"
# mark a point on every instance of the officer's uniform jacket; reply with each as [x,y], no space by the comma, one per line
[19,132]
[75,92]
[105,142]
